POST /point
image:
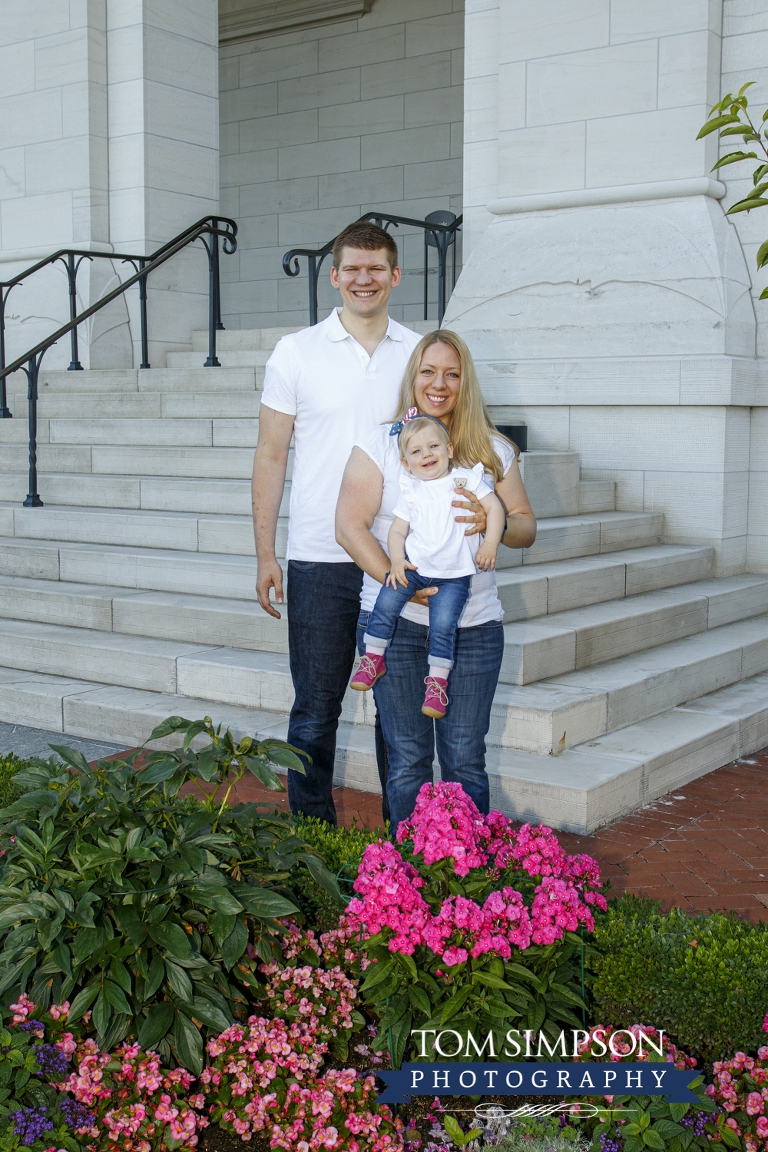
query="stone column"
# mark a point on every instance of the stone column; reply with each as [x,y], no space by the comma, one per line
[110,143]
[163,150]
[606,295]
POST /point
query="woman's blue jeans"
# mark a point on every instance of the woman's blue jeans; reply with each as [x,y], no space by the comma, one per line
[459,737]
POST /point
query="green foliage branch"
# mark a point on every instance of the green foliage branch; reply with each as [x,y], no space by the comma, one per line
[702,979]
[729,117]
[138,907]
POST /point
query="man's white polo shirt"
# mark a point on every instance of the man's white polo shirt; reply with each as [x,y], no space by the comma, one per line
[336,391]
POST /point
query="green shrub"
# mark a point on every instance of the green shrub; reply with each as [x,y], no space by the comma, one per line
[700,978]
[10,766]
[337,847]
[139,908]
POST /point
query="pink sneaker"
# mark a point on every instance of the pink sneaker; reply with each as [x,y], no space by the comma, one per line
[370,669]
[436,700]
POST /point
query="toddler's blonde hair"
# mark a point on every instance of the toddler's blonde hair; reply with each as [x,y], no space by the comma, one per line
[415,424]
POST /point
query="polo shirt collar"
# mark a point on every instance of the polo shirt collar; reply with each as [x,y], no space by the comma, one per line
[335,330]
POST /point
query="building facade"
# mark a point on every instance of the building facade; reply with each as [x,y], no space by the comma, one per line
[610,303]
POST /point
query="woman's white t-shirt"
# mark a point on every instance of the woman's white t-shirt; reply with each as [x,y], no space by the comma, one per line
[436,544]
[483,604]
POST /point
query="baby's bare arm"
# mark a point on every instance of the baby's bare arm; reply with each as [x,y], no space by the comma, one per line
[494,530]
[396,548]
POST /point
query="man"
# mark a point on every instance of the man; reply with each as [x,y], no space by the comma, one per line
[325,386]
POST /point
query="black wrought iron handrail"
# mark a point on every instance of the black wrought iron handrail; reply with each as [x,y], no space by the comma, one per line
[211,226]
[437,234]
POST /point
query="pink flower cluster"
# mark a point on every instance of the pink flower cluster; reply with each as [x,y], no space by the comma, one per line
[137,1103]
[502,921]
[741,1089]
[255,1055]
[447,826]
[321,998]
[391,898]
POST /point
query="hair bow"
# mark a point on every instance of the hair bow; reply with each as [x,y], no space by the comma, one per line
[397,428]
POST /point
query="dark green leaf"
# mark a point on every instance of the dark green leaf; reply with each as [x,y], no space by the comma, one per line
[188,1043]
[180,983]
[235,944]
[171,724]
[157,1022]
[82,1002]
[116,997]
[101,1013]
[73,757]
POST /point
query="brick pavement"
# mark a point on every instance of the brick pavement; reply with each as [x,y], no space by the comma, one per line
[703,847]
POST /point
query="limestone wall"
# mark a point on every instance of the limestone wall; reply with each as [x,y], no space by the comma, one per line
[109,143]
[321,124]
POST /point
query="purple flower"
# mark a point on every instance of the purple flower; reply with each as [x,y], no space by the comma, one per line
[30,1123]
[52,1063]
[76,1115]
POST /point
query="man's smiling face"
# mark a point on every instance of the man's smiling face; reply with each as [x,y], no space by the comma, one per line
[365,280]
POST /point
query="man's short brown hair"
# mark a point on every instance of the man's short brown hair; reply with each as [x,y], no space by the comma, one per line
[369,237]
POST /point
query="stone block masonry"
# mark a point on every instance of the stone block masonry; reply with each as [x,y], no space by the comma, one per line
[319,125]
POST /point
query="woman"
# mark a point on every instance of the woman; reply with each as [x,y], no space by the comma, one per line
[440,380]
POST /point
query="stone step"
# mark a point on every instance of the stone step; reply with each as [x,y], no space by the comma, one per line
[542,589]
[597,495]
[236,358]
[551,482]
[184,494]
[237,405]
[233,534]
[581,790]
[159,493]
[546,647]
[157,433]
[236,339]
[216,619]
[207,619]
[143,380]
[137,460]
[242,339]
[235,676]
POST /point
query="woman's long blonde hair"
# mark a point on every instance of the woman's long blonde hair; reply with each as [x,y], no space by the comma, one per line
[470,425]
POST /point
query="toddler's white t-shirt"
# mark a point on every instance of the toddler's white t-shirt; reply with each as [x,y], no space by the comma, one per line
[436,544]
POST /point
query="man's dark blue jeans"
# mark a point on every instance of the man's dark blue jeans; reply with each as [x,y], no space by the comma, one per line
[323,608]
[445,608]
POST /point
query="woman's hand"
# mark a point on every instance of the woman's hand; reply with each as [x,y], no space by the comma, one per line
[477,519]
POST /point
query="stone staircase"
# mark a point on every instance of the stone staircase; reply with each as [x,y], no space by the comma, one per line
[628,670]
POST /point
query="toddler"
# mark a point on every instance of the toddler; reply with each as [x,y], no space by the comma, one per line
[438,553]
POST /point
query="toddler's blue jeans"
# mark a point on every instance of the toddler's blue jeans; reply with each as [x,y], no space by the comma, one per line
[445,608]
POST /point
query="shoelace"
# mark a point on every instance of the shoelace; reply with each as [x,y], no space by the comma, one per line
[367,667]
[435,687]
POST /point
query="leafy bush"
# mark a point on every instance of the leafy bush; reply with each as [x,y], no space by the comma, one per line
[139,908]
[338,847]
[702,979]
[10,766]
[471,925]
